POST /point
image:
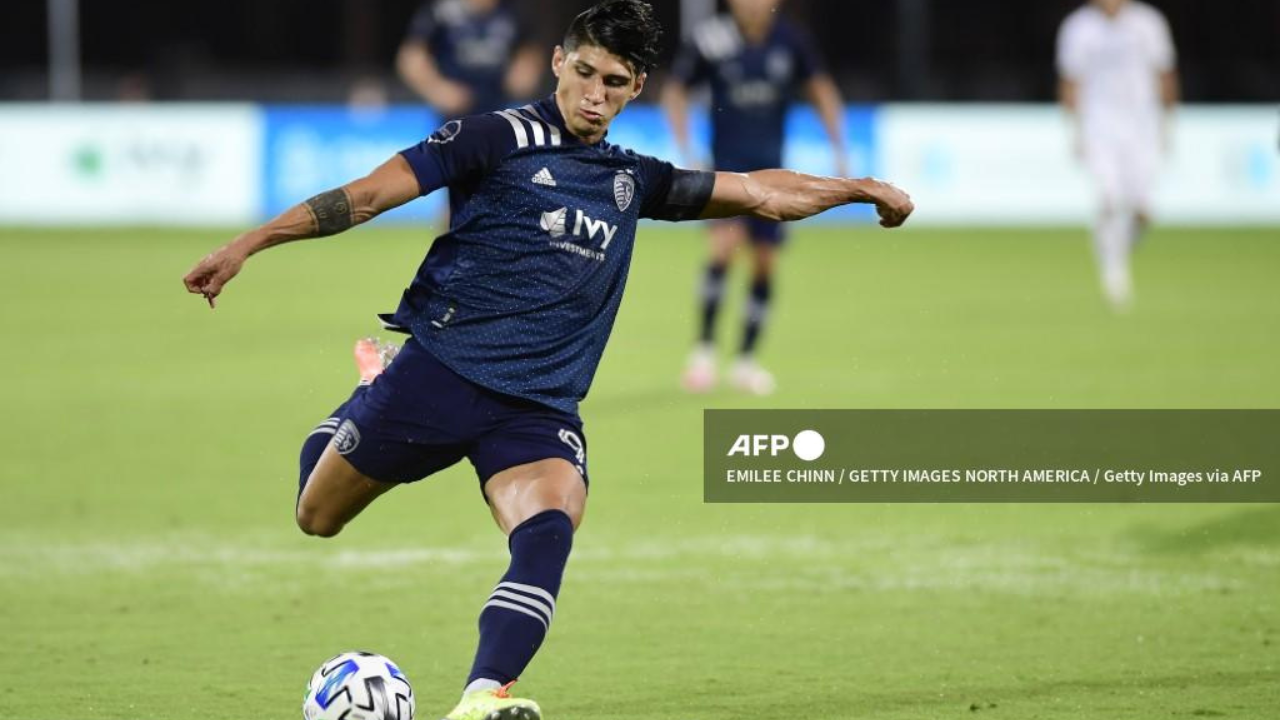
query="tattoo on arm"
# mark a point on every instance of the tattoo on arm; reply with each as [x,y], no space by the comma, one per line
[331,212]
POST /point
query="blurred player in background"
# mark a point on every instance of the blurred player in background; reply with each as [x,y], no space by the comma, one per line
[754,60]
[469,56]
[1118,80]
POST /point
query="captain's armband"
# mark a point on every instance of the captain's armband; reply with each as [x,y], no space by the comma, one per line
[689,193]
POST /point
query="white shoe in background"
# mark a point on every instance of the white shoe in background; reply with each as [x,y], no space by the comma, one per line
[748,376]
[700,371]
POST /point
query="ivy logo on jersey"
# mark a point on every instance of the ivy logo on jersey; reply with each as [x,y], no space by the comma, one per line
[553,222]
[624,188]
[583,225]
[446,133]
[347,439]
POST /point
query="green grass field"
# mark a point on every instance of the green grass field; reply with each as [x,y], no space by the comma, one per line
[150,566]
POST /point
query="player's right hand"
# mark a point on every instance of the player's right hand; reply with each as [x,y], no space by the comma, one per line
[214,271]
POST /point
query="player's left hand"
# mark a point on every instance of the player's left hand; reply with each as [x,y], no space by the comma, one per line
[214,271]
[892,204]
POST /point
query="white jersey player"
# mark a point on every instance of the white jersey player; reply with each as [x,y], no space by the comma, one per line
[1116,65]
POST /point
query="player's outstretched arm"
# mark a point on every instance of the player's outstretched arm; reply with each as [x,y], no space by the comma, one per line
[787,195]
[392,184]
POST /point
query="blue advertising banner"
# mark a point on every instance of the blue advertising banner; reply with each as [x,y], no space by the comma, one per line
[309,149]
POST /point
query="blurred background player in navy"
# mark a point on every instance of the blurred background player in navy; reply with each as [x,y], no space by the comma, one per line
[755,61]
[469,56]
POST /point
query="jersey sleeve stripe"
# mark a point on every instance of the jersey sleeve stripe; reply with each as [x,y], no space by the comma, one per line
[522,137]
[531,113]
[538,135]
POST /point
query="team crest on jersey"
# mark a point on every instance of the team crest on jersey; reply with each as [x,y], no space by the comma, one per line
[778,65]
[624,188]
[347,439]
[446,133]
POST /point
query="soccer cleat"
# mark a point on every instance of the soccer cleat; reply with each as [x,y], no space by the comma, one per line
[372,357]
[748,376]
[700,372]
[494,705]
[1118,287]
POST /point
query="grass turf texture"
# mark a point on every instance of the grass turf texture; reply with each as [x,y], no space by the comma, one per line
[150,568]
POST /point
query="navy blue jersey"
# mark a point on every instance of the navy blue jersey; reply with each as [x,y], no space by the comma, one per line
[520,294]
[752,86]
[471,48]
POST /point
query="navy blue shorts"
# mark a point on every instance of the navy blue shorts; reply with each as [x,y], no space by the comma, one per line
[761,232]
[419,417]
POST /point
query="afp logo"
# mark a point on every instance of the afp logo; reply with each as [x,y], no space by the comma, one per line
[808,445]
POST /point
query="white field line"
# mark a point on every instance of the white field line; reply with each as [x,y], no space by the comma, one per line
[761,563]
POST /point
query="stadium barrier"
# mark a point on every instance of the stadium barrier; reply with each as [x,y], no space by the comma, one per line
[211,164]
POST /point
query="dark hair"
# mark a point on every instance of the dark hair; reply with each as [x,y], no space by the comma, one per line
[625,28]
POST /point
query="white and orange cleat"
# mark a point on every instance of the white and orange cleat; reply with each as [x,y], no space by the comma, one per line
[372,357]
[700,371]
[494,704]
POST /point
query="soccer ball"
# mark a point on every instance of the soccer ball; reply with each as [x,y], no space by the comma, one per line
[358,686]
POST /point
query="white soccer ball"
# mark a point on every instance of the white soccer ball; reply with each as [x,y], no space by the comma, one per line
[358,686]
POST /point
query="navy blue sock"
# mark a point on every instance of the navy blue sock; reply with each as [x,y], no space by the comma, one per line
[712,293]
[757,311]
[315,443]
[519,611]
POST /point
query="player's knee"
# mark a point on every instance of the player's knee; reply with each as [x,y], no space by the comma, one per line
[317,524]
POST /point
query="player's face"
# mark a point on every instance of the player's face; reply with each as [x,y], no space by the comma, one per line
[592,87]
[1110,7]
[753,10]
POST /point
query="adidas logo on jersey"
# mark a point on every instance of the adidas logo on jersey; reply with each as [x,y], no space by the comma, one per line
[543,177]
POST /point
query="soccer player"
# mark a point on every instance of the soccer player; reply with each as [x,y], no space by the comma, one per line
[1118,81]
[509,313]
[754,61]
[468,56]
